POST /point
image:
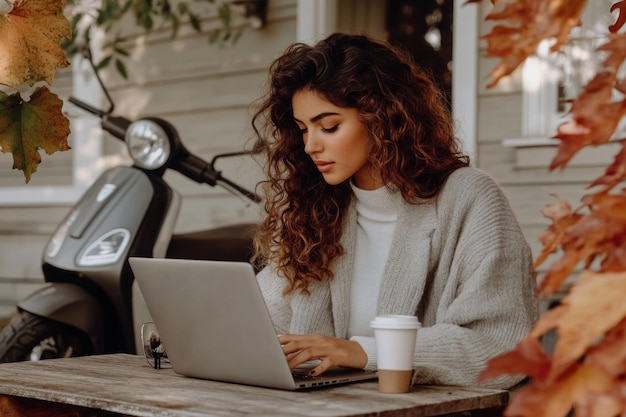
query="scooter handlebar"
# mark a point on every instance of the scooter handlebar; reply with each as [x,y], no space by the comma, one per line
[87,107]
[201,171]
[117,126]
[189,165]
[249,194]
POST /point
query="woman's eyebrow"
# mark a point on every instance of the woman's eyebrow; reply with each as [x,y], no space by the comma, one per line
[319,116]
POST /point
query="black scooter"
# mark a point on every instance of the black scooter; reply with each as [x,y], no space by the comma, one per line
[90,304]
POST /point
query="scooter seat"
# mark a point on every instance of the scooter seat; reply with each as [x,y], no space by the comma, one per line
[226,243]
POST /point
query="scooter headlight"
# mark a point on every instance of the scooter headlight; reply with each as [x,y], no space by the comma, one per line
[148,144]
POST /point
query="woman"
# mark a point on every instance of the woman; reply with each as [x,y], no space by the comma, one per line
[371,208]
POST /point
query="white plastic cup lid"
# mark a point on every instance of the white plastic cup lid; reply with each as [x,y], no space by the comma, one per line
[395,321]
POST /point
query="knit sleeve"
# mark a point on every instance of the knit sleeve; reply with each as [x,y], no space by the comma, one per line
[487,303]
[272,287]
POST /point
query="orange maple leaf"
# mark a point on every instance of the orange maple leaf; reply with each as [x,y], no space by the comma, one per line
[615,173]
[26,127]
[528,358]
[608,212]
[556,400]
[610,355]
[594,116]
[529,22]
[598,235]
[593,306]
[30,36]
[580,368]
[563,219]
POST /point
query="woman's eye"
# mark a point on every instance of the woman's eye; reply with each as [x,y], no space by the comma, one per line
[330,129]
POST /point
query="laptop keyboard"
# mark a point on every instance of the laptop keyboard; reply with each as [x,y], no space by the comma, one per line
[302,376]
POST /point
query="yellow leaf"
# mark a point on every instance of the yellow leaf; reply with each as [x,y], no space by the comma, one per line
[30,36]
[26,127]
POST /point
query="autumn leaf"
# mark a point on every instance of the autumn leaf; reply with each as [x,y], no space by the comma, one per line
[562,217]
[610,355]
[30,49]
[528,22]
[615,173]
[26,127]
[609,212]
[602,404]
[593,306]
[556,400]
[593,310]
[595,116]
[600,234]
[528,358]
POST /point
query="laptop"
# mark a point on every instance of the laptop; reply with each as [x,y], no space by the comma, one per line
[214,324]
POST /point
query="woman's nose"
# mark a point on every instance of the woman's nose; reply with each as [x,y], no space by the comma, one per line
[311,144]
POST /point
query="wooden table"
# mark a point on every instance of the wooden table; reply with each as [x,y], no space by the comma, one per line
[124,385]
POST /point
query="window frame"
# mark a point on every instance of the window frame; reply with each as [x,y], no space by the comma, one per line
[540,85]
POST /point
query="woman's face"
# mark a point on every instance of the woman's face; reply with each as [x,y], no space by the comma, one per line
[336,139]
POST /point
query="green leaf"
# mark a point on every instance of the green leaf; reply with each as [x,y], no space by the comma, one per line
[214,36]
[74,22]
[166,8]
[121,51]
[121,68]
[27,127]
[225,15]
[175,26]
[195,22]
[104,62]
[237,35]
[147,14]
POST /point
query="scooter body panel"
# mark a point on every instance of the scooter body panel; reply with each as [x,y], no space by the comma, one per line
[69,304]
[118,200]
[129,204]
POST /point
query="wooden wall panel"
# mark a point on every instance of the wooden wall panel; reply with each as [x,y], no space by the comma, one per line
[499,117]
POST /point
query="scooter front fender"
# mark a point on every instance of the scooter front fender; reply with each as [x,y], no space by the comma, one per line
[71,305]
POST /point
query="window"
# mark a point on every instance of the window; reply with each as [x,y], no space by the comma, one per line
[551,78]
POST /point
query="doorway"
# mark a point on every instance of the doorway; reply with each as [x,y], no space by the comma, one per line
[424,28]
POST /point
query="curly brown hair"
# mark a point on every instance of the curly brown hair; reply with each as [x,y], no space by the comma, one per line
[412,146]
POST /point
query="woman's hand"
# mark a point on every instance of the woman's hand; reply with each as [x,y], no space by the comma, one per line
[330,350]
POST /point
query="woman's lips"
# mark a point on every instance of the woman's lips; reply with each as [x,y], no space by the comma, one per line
[324,166]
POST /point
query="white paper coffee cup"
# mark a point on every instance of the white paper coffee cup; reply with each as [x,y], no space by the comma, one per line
[395,336]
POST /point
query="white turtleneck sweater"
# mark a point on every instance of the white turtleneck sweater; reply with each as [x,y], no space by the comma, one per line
[377,213]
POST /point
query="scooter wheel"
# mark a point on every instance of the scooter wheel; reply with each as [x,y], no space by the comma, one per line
[31,337]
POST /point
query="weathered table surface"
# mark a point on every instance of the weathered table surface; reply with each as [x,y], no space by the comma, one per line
[124,385]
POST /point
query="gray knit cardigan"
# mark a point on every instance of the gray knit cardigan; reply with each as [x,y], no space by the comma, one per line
[458,261]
